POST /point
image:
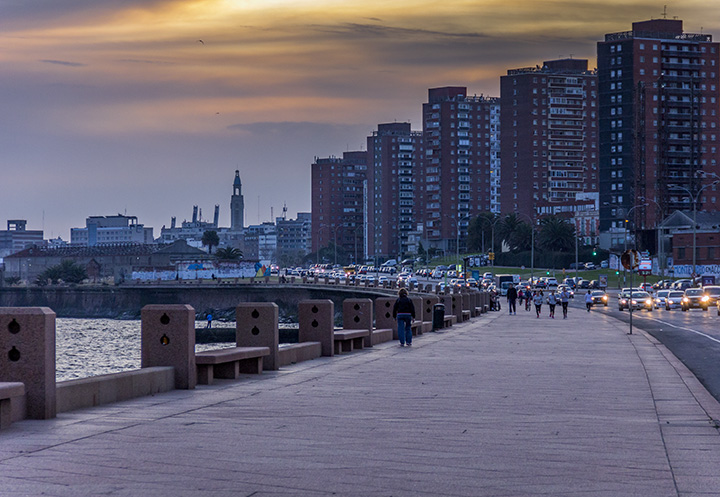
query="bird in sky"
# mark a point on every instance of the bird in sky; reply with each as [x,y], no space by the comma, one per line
[200,41]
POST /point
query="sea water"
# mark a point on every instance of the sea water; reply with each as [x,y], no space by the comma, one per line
[91,347]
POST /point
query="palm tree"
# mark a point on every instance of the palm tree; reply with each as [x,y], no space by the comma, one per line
[514,232]
[556,234]
[229,254]
[211,239]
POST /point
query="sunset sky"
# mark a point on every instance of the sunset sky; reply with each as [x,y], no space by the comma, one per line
[147,107]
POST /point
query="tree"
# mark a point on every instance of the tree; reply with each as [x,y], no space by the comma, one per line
[514,232]
[211,239]
[67,271]
[556,234]
[480,230]
[229,254]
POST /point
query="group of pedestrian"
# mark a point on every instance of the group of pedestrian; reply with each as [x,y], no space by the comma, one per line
[537,298]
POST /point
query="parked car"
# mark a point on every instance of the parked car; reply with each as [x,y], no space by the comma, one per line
[552,282]
[589,265]
[584,285]
[673,300]
[570,282]
[605,264]
[695,298]
[594,284]
[681,284]
[599,297]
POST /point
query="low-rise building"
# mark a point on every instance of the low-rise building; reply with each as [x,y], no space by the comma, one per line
[18,237]
[111,230]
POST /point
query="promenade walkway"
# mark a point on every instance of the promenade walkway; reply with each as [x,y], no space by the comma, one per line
[499,406]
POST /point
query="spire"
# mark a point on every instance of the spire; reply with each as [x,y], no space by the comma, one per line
[237,181]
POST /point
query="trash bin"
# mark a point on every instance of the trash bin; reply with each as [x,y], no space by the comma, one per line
[438,316]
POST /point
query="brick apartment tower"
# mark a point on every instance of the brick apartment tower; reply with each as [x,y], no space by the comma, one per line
[338,199]
[549,137]
[659,123]
[461,164]
[394,175]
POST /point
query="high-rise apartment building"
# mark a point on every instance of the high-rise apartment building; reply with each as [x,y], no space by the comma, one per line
[461,164]
[659,124]
[339,193]
[394,211]
[549,137]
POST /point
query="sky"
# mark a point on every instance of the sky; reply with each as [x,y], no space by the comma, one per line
[147,107]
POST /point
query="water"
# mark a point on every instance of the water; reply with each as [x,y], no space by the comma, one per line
[91,347]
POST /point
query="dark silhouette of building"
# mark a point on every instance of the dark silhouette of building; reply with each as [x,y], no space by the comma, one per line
[549,138]
[659,123]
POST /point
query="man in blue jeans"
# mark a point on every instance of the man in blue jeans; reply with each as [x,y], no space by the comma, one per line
[404,312]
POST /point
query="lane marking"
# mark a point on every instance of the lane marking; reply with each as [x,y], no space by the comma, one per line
[685,329]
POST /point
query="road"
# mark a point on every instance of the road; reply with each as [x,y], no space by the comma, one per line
[693,336]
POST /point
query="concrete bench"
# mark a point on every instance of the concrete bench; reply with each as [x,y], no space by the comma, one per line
[229,363]
[382,335]
[466,315]
[349,340]
[11,393]
[427,326]
[297,352]
[416,328]
[449,320]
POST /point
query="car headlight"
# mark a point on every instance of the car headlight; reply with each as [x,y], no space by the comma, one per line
[670,302]
[634,302]
[686,300]
[604,297]
[705,298]
[648,301]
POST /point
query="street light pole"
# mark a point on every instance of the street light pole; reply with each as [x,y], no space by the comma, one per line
[532,244]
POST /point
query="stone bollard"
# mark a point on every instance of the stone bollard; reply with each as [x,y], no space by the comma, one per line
[27,355]
[256,325]
[465,304]
[358,315]
[418,304]
[317,324]
[429,302]
[458,306]
[168,339]
[384,314]
[450,302]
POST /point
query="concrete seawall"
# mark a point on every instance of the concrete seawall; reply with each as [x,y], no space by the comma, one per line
[126,301]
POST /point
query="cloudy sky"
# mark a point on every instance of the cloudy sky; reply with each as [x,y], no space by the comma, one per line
[147,107]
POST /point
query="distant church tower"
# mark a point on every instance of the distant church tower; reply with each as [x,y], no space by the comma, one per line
[237,205]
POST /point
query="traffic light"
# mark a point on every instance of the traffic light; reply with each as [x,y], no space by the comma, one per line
[547,273]
[617,272]
[594,251]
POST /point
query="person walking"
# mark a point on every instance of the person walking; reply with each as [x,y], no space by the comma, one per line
[209,321]
[404,312]
[552,302]
[538,301]
[588,300]
[564,301]
[512,295]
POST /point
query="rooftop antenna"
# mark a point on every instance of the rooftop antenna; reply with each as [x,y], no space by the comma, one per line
[664,14]
[272,214]
[284,214]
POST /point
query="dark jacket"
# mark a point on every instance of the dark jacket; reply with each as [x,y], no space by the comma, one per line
[403,305]
[512,294]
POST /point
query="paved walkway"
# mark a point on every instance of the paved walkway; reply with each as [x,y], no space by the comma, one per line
[501,406]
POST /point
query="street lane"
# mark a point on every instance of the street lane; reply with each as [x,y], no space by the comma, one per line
[693,336]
